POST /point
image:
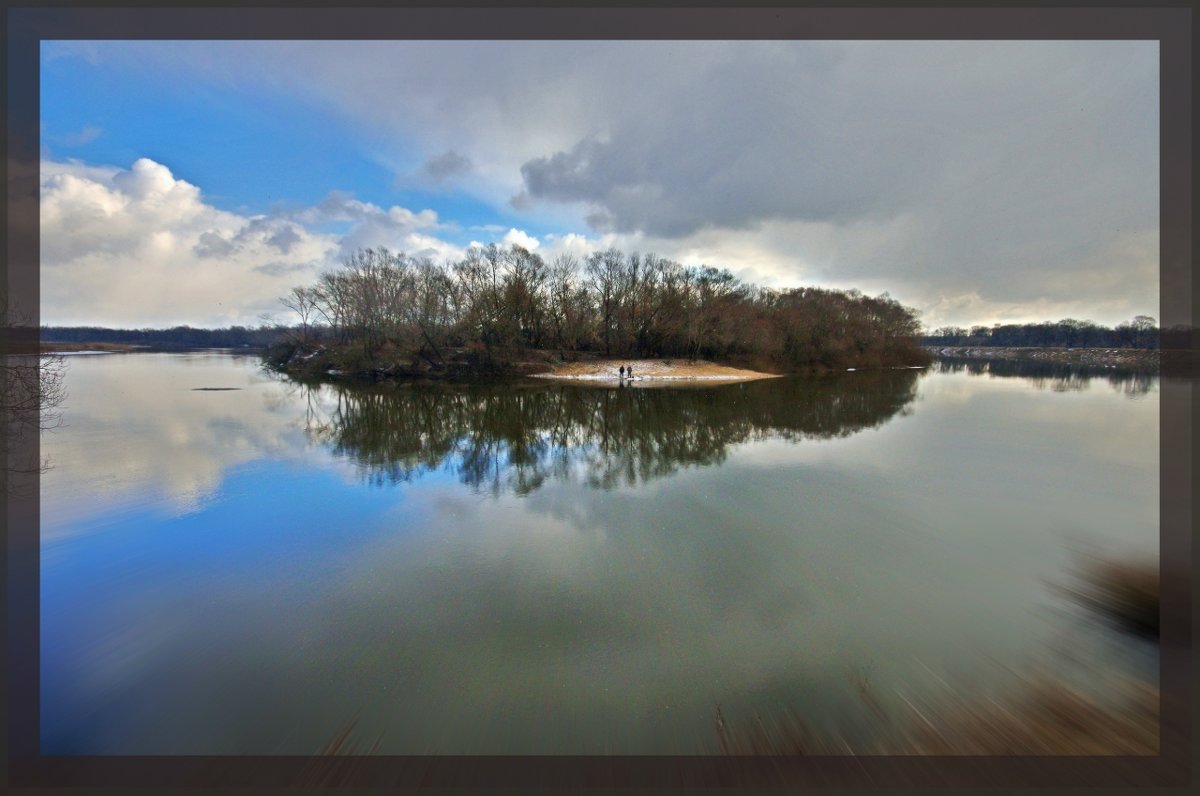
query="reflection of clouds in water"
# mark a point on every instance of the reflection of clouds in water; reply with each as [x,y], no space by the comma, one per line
[956,404]
[1130,428]
[552,618]
[137,430]
[621,600]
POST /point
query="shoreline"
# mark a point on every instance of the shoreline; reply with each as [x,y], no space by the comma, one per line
[1126,358]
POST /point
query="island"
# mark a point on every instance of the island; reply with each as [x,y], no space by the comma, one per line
[507,311]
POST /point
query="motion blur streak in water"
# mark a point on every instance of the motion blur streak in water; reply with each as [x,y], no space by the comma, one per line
[556,568]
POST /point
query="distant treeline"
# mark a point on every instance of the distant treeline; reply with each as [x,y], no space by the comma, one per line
[177,337]
[381,307]
[1141,332]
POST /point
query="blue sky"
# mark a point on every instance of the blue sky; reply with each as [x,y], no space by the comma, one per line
[979,182]
[251,149]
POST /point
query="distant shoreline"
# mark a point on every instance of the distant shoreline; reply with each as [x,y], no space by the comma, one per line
[1127,358]
[54,347]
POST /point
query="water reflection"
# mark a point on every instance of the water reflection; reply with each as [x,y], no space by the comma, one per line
[220,576]
[1054,376]
[503,438]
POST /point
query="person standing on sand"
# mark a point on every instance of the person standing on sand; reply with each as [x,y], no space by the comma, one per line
[622,372]
[629,371]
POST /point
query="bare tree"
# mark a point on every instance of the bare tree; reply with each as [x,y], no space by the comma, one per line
[303,302]
[606,279]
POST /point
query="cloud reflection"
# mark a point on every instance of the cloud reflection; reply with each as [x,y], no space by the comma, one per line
[138,431]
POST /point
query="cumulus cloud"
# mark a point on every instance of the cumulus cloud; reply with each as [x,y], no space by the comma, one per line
[138,246]
[141,247]
[571,244]
[396,228]
[516,237]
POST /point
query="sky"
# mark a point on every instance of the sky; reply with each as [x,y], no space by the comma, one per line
[977,182]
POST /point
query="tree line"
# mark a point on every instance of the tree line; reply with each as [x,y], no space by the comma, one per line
[501,301]
[1141,332]
[176,337]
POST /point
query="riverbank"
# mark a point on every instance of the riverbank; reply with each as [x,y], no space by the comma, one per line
[652,370]
[1125,358]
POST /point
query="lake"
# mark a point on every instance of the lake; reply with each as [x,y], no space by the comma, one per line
[236,563]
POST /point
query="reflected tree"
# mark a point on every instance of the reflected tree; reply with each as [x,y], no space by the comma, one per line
[514,437]
[1055,376]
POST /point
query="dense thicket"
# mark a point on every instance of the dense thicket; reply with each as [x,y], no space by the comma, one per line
[1141,332]
[494,302]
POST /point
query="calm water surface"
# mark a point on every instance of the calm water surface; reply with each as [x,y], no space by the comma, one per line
[562,568]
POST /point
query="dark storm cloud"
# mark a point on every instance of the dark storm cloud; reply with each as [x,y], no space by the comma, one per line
[1040,133]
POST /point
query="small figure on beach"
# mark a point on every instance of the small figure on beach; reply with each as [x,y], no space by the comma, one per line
[629,371]
[622,372]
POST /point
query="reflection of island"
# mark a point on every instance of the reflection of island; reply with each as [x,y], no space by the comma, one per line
[512,437]
[1054,376]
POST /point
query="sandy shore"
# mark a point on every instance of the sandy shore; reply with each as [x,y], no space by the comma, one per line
[652,370]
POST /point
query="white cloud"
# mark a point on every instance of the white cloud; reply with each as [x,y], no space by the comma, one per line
[516,237]
[139,247]
[396,228]
[572,244]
